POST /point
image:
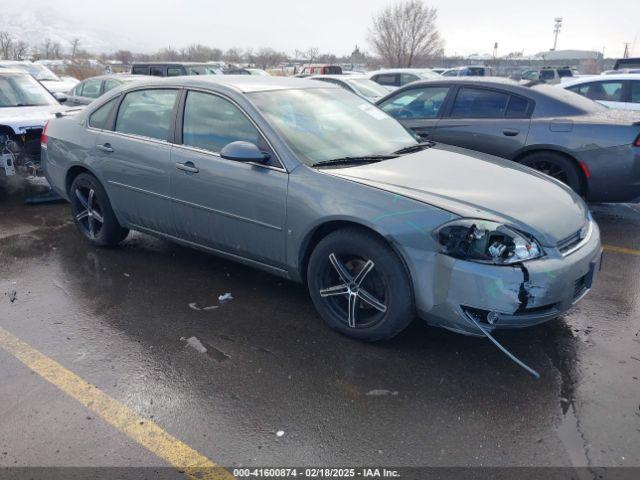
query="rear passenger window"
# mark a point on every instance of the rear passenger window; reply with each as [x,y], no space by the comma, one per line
[386,79]
[174,71]
[517,108]
[635,91]
[479,103]
[91,88]
[110,85]
[140,70]
[157,71]
[211,122]
[407,78]
[147,113]
[99,118]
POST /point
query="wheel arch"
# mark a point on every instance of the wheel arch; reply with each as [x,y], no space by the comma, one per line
[555,149]
[72,173]
[320,231]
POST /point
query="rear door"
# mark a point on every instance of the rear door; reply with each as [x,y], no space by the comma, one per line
[134,158]
[233,206]
[387,79]
[486,119]
[418,108]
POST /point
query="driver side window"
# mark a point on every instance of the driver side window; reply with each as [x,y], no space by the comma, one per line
[210,122]
[417,103]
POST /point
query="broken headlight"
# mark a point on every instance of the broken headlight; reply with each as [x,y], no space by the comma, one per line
[486,242]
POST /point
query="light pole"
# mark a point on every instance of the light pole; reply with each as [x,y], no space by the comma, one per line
[556,30]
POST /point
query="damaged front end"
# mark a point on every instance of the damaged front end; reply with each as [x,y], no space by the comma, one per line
[496,277]
[20,152]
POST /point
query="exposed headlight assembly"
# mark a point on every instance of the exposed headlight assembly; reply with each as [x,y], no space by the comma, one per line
[486,242]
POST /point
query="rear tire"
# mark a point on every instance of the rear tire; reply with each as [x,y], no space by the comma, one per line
[557,166]
[92,212]
[360,286]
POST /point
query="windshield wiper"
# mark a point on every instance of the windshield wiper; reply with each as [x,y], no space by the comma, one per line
[415,148]
[347,160]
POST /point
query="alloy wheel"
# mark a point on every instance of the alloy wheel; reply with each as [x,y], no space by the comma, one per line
[355,291]
[89,216]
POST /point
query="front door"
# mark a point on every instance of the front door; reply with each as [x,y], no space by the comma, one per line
[224,204]
[418,108]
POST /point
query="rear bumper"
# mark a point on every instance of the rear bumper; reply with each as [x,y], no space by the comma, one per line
[502,297]
[615,174]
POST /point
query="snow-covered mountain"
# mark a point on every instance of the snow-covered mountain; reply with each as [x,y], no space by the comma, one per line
[34,26]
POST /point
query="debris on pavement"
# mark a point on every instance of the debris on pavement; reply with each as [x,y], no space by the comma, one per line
[194,343]
[280,433]
[380,393]
[227,297]
[194,306]
[13,295]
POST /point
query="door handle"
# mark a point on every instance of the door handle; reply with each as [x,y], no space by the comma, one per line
[187,167]
[510,132]
[105,147]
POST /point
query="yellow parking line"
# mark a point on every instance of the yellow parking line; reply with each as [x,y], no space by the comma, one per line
[142,430]
[629,251]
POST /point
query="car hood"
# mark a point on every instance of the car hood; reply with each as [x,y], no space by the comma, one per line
[475,185]
[22,118]
[62,86]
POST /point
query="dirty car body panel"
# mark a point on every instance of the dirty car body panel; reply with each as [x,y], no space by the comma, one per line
[271,215]
[501,117]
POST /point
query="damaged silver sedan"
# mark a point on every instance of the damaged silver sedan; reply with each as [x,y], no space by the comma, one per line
[314,184]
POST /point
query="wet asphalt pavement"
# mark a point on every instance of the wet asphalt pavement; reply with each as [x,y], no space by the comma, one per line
[119,319]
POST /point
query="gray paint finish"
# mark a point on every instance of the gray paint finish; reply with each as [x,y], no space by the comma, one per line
[266,216]
[589,134]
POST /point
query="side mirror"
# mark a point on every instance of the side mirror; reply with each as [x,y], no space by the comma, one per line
[61,97]
[243,152]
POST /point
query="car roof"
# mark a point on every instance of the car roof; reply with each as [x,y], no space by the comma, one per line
[120,76]
[342,77]
[135,64]
[601,78]
[399,70]
[486,81]
[241,83]
[12,71]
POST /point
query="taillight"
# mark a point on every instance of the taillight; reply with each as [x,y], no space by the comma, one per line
[637,142]
[43,136]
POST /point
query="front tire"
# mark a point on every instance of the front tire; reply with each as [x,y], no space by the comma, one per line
[556,166]
[360,286]
[92,212]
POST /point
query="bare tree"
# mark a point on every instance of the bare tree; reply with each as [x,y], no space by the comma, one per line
[19,50]
[268,57]
[56,50]
[404,32]
[233,55]
[46,48]
[124,56]
[75,43]
[312,54]
[6,43]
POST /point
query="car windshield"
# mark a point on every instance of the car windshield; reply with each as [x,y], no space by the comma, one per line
[367,88]
[22,90]
[39,72]
[201,70]
[570,98]
[323,124]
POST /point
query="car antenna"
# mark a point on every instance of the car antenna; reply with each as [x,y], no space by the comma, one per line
[503,349]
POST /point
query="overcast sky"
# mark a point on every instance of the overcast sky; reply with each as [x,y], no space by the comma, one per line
[467,26]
